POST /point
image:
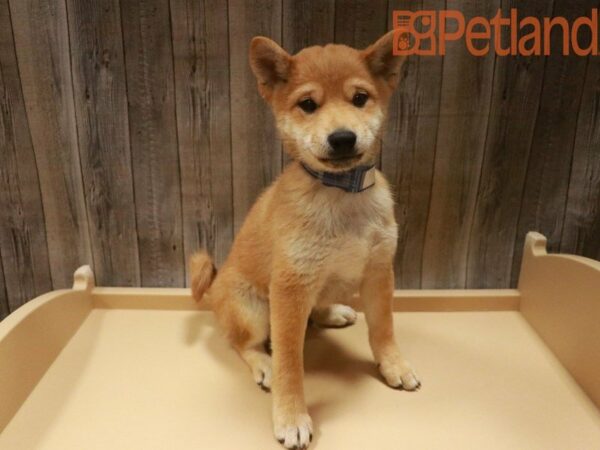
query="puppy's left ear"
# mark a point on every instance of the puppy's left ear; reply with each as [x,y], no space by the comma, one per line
[381,60]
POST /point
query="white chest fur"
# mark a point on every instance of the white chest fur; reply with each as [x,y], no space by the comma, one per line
[341,233]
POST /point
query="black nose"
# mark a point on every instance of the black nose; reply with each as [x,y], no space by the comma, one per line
[342,142]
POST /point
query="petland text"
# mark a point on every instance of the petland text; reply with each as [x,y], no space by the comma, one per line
[428,33]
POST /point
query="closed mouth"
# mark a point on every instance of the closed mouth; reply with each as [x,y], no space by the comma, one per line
[339,159]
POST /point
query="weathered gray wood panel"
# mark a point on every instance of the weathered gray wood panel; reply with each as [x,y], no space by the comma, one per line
[42,47]
[581,229]
[101,109]
[22,227]
[359,23]
[132,133]
[408,152]
[514,109]
[256,150]
[4,310]
[307,23]
[201,52]
[549,168]
[463,117]
[153,135]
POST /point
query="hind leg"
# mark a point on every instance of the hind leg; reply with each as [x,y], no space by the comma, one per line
[244,316]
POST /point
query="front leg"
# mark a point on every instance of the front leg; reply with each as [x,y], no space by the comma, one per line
[290,305]
[376,291]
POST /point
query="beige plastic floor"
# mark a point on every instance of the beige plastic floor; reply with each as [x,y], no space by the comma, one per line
[140,379]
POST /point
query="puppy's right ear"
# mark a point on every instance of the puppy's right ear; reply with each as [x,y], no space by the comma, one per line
[270,64]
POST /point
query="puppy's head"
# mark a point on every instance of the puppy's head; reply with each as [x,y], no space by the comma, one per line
[329,102]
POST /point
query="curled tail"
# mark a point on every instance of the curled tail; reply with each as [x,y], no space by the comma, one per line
[202,273]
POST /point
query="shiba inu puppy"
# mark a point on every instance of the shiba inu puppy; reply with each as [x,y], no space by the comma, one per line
[322,231]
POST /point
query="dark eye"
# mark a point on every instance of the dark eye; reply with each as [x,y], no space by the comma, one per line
[308,105]
[359,99]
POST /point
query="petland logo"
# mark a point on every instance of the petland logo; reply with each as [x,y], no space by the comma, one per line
[428,32]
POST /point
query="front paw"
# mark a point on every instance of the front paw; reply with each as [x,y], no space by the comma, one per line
[399,374]
[293,431]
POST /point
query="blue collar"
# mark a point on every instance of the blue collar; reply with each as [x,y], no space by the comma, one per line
[356,180]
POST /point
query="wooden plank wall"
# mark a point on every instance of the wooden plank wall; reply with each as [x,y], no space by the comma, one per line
[131,133]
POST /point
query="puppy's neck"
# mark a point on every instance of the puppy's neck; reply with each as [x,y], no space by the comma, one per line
[355,180]
[308,199]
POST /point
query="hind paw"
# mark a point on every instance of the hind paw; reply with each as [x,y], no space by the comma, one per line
[262,373]
[334,316]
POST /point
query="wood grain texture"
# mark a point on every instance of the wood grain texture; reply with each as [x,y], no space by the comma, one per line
[132,134]
[549,167]
[201,52]
[408,152]
[101,109]
[306,23]
[256,150]
[153,135]
[4,310]
[581,229]
[463,118]
[23,245]
[42,46]
[359,23]
[513,112]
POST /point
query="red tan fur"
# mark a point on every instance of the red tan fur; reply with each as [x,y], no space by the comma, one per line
[304,247]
